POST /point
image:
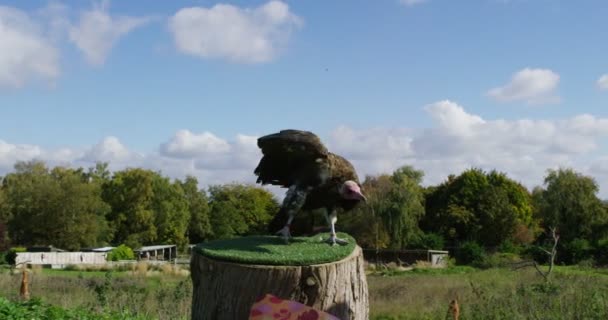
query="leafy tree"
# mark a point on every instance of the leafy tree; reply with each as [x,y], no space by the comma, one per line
[199,227]
[59,207]
[4,218]
[390,217]
[122,252]
[478,206]
[99,173]
[406,206]
[240,210]
[570,203]
[130,194]
[171,213]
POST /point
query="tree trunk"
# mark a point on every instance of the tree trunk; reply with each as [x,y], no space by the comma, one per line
[227,290]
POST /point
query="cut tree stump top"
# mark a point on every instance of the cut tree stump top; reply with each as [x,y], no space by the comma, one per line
[272,250]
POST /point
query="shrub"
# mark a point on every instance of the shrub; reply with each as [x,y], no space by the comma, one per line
[498,260]
[509,247]
[430,241]
[11,255]
[600,252]
[536,253]
[577,250]
[121,252]
[470,253]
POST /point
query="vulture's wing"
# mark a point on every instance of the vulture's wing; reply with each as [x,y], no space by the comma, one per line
[290,157]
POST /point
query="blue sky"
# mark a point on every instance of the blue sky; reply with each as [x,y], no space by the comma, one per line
[186,86]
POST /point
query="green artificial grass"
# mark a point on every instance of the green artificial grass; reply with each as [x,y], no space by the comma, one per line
[272,250]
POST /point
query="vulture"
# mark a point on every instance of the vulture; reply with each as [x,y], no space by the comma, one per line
[315,178]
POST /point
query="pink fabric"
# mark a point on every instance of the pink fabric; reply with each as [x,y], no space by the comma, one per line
[270,307]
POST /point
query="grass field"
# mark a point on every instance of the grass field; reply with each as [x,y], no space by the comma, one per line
[575,293]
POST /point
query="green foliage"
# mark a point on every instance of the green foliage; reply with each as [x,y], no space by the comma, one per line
[470,252]
[431,241]
[130,194]
[171,212]
[390,217]
[5,216]
[199,228]
[600,252]
[570,203]
[485,207]
[576,251]
[498,260]
[238,210]
[36,309]
[11,255]
[509,246]
[59,207]
[122,252]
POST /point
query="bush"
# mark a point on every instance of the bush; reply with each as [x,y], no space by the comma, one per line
[498,260]
[576,251]
[509,247]
[121,252]
[470,253]
[11,255]
[429,241]
[536,253]
[600,252]
[36,309]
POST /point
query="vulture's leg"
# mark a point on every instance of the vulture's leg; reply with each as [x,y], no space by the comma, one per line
[331,219]
[294,200]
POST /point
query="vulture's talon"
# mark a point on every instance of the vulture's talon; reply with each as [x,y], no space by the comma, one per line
[333,240]
[285,233]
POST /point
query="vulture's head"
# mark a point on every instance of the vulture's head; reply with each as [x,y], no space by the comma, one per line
[350,190]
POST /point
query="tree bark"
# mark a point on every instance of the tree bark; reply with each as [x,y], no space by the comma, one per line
[227,290]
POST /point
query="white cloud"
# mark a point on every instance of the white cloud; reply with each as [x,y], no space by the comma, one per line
[534,86]
[11,153]
[602,82]
[185,144]
[97,32]
[26,53]
[457,140]
[410,3]
[381,142]
[110,149]
[236,34]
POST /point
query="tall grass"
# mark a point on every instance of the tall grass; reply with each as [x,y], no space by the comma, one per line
[490,294]
[162,292]
[152,294]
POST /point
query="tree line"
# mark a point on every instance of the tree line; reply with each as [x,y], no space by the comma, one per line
[79,208]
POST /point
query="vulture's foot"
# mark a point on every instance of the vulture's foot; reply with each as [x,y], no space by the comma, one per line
[285,233]
[333,240]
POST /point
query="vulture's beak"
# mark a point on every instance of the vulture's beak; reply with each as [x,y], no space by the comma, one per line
[362,197]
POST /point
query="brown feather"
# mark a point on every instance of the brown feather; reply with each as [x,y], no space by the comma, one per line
[295,157]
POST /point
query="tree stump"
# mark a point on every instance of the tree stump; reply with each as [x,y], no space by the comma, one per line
[229,276]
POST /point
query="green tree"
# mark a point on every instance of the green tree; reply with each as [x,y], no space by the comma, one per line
[58,207]
[122,252]
[4,218]
[364,222]
[170,208]
[199,227]
[476,206]
[390,217]
[569,202]
[405,206]
[130,194]
[240,210]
